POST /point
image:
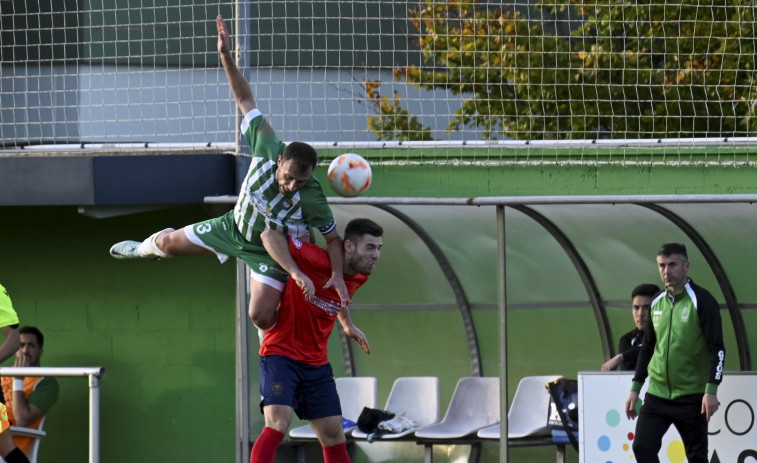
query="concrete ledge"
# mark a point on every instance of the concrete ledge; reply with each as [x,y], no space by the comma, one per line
[115,180]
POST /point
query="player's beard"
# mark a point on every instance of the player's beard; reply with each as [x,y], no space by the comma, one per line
[367,267]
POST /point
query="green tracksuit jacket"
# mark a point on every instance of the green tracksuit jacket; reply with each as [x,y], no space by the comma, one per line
[683,350]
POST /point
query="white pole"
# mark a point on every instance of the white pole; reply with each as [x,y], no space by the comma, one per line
[504,450]
[94,419]
[53,371]
[527,200]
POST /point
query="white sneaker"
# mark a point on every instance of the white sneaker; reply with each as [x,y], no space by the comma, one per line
[128,250]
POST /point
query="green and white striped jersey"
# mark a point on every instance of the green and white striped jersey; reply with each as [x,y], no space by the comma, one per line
[261,204]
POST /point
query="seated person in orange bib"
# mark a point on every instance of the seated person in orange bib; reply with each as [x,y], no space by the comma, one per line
[295,373]
[28,399]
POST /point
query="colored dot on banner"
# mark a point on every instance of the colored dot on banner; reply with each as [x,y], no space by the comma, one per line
[603,443]
[612,418]
[676,452]
[630,436]
[626,447]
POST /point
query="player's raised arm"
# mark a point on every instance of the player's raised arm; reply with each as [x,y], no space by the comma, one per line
[335,250]
[240,88]
[277,245]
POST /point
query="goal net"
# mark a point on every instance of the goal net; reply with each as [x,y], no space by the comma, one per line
[489,81]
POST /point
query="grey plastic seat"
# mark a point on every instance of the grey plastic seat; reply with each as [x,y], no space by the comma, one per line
[417,397]
[490,432]
[474,405]
[354,394]
[528,413]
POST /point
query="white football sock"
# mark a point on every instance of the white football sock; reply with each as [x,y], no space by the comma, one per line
[149,247]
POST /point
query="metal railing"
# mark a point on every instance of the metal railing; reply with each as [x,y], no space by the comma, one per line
[94,374]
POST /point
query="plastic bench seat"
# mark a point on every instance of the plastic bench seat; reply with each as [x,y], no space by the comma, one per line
[489,432]
[474,405]
[527,417]
[528,414]
[417,397]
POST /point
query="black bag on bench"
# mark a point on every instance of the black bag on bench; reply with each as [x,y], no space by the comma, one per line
[370,418]
[563,407]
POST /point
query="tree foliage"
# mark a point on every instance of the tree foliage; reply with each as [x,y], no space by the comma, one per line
[628,69]
[391,119]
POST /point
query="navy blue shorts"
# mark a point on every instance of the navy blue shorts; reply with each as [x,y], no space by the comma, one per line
[309,390]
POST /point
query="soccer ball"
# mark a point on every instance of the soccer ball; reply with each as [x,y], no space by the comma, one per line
[349,174]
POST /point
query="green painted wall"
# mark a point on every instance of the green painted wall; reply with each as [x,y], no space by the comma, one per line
[553,172]
[163,330]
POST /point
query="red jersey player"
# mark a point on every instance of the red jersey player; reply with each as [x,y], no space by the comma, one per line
[294,370]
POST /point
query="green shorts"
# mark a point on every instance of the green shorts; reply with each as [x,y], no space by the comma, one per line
[220,235]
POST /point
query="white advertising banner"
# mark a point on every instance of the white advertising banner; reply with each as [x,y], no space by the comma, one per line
[606,435]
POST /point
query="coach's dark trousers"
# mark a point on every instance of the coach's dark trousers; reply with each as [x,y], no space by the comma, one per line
[655,418]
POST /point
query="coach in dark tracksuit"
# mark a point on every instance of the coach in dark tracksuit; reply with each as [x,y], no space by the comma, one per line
[683,356]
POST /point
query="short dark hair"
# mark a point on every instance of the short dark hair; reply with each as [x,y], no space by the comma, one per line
[359,227]
[35,331]
[645,289]
[669,249]
[301,154]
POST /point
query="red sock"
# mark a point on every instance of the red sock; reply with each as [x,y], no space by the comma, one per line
[265,447]
[336,454]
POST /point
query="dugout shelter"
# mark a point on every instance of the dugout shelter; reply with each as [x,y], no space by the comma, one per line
[524,286]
